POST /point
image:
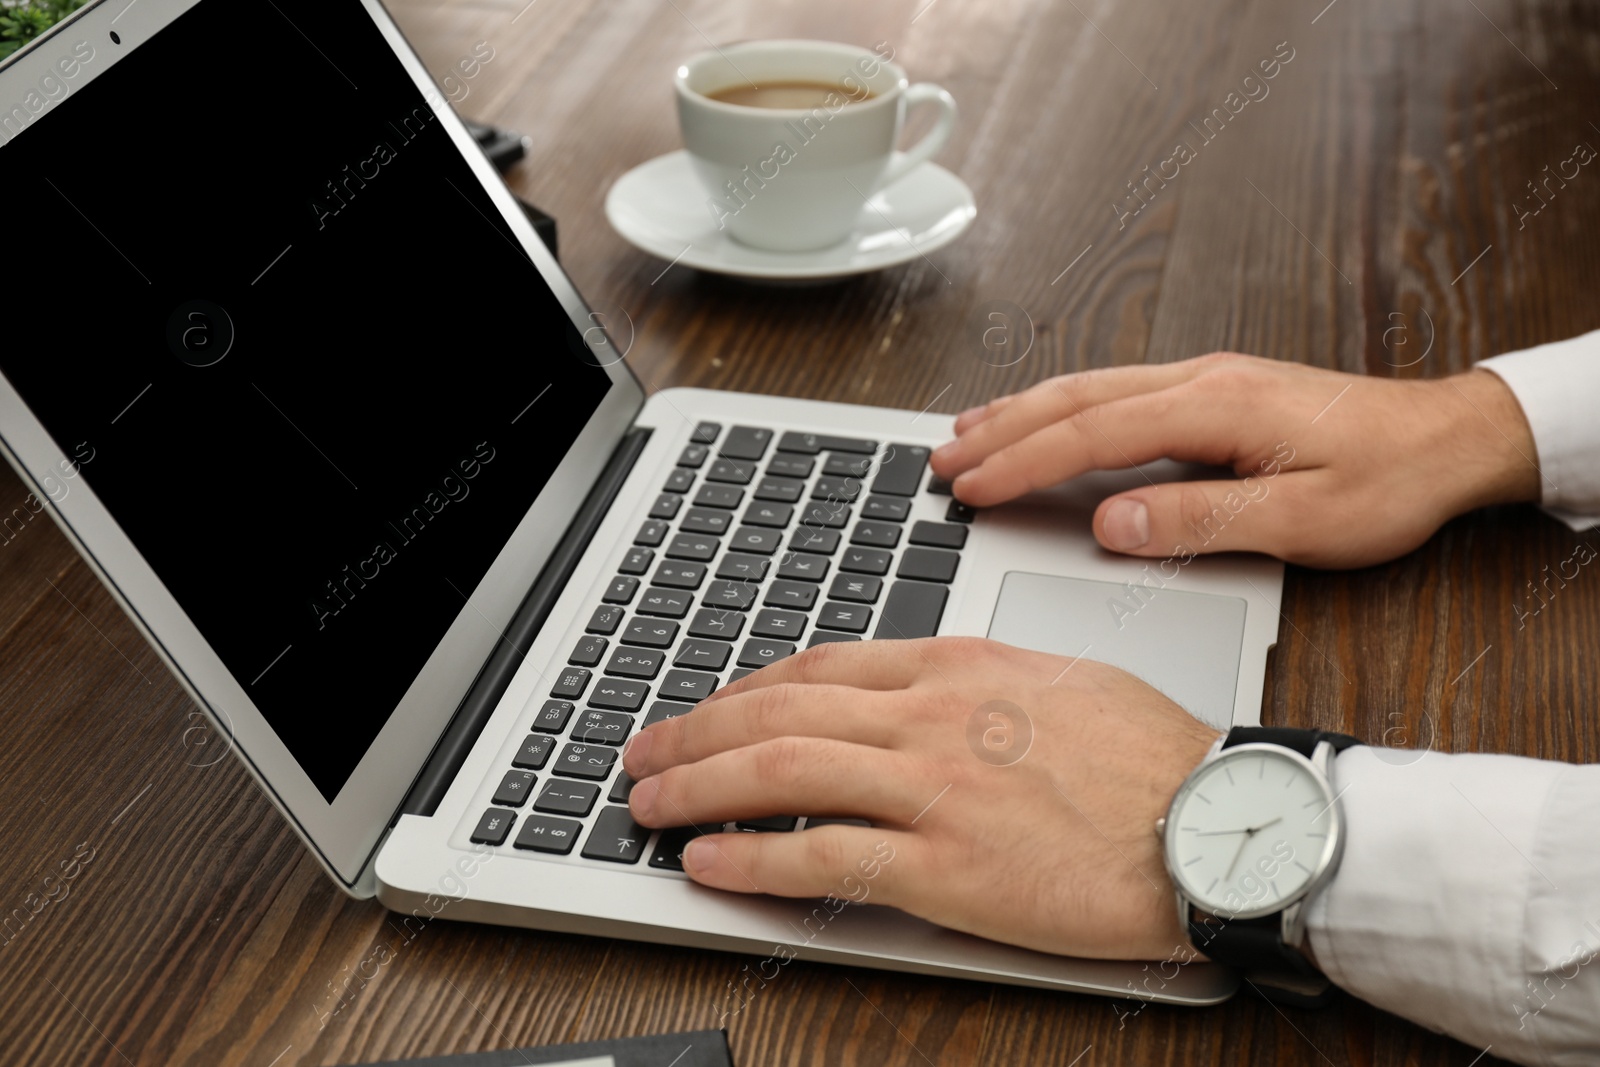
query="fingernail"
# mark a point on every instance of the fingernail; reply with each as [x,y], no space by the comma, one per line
[973,411]
[638,751]
[643,798]
[946,449]
[698,855]
[1127,525]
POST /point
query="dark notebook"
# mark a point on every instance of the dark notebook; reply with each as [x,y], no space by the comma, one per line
[700,1048]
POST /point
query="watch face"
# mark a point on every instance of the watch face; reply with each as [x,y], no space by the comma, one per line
[1250,831]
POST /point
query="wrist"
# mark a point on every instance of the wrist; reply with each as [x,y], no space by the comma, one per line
[1489,442]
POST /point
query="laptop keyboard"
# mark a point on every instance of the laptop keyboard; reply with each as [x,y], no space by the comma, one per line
[757,544]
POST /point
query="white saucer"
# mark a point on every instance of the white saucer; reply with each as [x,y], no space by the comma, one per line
[660,207]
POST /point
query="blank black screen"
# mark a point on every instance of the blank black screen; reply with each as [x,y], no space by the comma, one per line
[398,386]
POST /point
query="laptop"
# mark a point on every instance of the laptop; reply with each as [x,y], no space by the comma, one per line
[304,388]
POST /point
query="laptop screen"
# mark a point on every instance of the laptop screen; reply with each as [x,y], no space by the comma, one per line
[293,348]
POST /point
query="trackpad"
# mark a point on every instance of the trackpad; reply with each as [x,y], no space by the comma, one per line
[1185,644]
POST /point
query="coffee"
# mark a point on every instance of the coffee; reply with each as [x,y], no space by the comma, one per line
[801,95]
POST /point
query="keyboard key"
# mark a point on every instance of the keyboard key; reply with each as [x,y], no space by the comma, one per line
[637,561]
[534,751]
[812,443]
[771,622]
[493,827]
[567,798]
[746,442]
[851,618]
[844,465]
[589,652]
[618,694]
[735,596]
[590,762]
[693,546]
[772,824]
[758,652]
[602,727]
[783,490]
[928,564]
[668,854]
[775,515]
[665,602]
[823,541]
[681,480]
[938,486]
[636,662]
[832,515]
[900,471]
[752,539]
[514,788]
[742,568]
[822,637]
[687,685]
[651,633]
[845,489]
[858,588]
[662,710]
[706,520]
[553,716]
[866,561]
[652,533]
[570,683]
[886,508]
[616,838]
[912,609]
[882,534]
[718,623]
[620,591]
[801,567]
[732,471]
[693,456]
[719,496]
[706,433]
[621,786]
[797,595]
[938,534]
[605,619]
[676,575]
[791,466]
[959,512]
[703,655]
[666,506]
[740,672]
[543,834]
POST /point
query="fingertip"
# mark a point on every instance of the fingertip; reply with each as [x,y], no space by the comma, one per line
[1124,524]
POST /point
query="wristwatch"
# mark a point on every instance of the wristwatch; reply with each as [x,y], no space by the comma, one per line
[1252,835]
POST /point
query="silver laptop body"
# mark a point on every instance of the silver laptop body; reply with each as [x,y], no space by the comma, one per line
[333,427]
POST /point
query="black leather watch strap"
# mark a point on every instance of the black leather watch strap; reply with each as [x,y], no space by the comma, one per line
[1302,741]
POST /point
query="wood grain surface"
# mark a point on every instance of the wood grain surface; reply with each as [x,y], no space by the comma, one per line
[1363,215]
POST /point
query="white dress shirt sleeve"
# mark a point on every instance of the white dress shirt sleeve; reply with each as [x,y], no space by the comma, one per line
[1558,386]
[1468,898]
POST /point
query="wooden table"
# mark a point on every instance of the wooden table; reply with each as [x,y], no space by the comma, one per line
[1361,216]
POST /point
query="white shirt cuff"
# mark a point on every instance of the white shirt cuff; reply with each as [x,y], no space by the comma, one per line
[1468,898]
[1558,386]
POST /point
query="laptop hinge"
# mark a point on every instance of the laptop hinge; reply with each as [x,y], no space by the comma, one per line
[481,699]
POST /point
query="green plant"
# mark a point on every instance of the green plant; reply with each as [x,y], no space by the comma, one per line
[23,20]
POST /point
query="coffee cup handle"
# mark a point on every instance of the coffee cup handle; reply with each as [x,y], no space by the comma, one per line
[902,163]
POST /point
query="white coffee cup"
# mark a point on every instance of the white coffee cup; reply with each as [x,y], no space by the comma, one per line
[794,179]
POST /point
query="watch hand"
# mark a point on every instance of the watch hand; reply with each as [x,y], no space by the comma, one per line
[1217,833]
[1236,856]
[1264,825]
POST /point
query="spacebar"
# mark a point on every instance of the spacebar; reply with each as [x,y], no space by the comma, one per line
[912,610]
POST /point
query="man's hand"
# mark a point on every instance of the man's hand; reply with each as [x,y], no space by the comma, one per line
[1034,827]
[1338,470]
